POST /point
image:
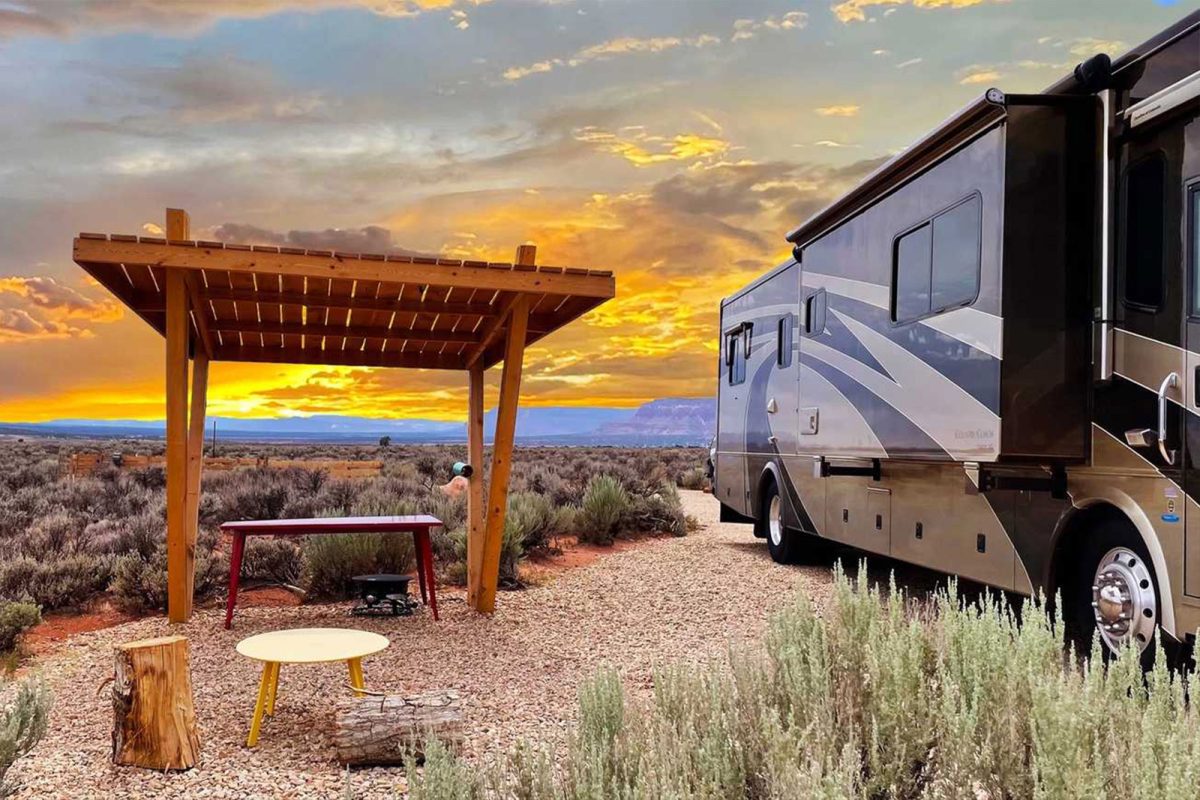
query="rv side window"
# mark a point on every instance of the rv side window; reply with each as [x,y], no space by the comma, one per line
[784,354]
[956,255]
[936,265]
[737,346]
[1145,232]
[910,284]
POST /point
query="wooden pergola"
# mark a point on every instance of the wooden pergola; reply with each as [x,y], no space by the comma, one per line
[214,301]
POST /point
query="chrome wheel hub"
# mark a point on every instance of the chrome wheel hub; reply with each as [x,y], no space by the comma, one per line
[1123,600]
[775,521]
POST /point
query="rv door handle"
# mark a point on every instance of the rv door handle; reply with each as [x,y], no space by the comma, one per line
[1169,382]
[1196,387]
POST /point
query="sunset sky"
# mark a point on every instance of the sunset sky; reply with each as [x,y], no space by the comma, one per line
[672,141]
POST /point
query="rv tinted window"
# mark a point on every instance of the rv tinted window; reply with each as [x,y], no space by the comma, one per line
[784,355]
[910,285]
[737,344]
[956,255]
[1145,232]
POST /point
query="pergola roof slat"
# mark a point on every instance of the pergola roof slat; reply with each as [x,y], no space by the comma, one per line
[292,305]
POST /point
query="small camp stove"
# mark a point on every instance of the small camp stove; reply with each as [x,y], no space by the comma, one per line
[383,595]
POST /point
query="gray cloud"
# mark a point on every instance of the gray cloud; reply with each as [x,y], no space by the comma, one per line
[370,239]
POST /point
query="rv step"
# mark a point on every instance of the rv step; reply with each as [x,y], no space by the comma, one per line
[824,469]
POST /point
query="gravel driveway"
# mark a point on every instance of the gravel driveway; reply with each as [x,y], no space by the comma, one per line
[664,600]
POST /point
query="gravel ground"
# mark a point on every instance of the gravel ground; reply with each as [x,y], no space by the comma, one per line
[518,671]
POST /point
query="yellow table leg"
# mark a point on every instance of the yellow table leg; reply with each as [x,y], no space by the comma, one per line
[356,675]
[274,689]
[264,688]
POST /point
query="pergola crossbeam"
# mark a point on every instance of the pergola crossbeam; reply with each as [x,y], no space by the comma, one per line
[345,266]
[364,331]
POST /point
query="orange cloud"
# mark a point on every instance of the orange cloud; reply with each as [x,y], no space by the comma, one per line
[69,18]
[642,149]
[42,308]
[856,10]
[846,110]
[623,46]
[976,74]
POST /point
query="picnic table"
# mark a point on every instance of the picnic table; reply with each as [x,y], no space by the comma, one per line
[304,646]
[418,525]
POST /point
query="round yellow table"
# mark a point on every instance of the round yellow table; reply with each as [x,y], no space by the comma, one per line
[304,646]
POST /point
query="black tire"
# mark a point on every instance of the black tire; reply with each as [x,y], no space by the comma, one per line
[1107,537]
[783,543]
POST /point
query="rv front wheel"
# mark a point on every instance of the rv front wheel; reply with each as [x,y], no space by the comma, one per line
[781,542]
[1115,593]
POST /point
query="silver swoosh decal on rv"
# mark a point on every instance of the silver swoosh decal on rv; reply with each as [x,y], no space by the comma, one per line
[971,326]
[960,424]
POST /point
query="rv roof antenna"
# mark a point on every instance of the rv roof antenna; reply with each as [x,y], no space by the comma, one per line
[1095,74]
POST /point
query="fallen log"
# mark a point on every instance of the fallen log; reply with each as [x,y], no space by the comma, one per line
[154,721]
[385,729]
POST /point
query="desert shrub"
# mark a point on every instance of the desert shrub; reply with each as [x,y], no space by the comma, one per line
[272,561]
[257,495]
[511,550]
[533,518]
[661,512]
[140,535]
[452,511]
[331,561]
[443,777]
[139,582]
[56,534]
[153,478]
[605,503]
[451,548]
[16,617]
[62,582]
[22,725]
[337,497]
[380,498]
[694,478]
[19,509]
[874,698]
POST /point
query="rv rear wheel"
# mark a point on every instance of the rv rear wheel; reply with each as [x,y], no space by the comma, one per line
[1114,593]
[781,541]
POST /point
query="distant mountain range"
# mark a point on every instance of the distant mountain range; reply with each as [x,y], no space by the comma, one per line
[659,422]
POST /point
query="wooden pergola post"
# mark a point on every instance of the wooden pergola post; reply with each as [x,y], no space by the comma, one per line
[484,598]
[475,526]
[185,444]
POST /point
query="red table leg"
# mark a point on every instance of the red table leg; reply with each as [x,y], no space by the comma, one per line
[419,555]
[425,554]
[235,573]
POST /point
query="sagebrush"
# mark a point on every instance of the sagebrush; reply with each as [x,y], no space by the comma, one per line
[66,540]
[871,699]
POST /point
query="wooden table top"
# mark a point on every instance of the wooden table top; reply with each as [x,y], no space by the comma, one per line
[333,525]
[311,645]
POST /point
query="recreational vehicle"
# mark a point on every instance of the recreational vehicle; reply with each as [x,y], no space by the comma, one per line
[985,358]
